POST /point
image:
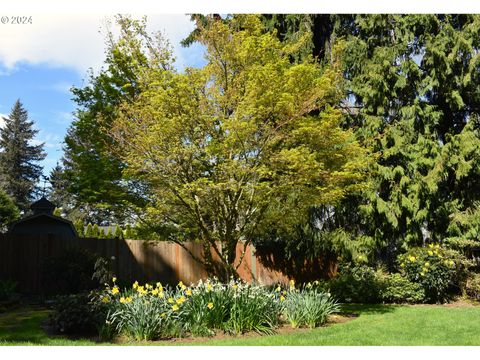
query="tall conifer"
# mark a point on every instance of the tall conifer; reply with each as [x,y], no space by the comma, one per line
[19,157]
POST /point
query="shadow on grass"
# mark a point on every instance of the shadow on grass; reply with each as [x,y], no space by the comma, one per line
[25,326]
[368,309]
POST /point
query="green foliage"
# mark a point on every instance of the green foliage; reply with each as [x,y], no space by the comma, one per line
[308,308]
[248,141]
[93,172]
[7,289]
[69,273]
[436,269]
[357,284]
[80,227]
[398,290]
[472,288]
[89,231]
[8,211]
[96,231]
[74,314]
[118,232]
[19,168]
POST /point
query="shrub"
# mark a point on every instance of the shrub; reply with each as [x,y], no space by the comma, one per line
[74,314]
[398,289]
[357,284]
[70,273]
[308,308]
[7,289]
[439,271]
[472,287]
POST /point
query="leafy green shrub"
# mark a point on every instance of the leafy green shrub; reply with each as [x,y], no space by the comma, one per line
[398,289]
[472,287]
[74,314]
[70,273]
[308,308]
[357,284]
[7,289]
[439,271]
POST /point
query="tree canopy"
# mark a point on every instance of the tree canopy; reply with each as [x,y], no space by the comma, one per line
[233,147]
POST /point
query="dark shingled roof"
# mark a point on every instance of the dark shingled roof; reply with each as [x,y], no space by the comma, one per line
[43,206]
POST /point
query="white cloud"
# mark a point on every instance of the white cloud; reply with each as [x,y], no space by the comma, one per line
[75,41]
[2,122]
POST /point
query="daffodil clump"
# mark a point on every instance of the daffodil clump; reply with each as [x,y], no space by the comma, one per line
[433,267]
[153,311]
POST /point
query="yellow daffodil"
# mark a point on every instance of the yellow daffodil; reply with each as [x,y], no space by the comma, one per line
[234,286]
[188,292]
[430,246]
[210,306]
[148,286]
[278,289]
[412,258]
[122,300]
[181,285]
[180,300]
[135,284]
[163,315]
[427,264]
[159,286]
[114,279]
[170,300]
[282,298]
[115,290]
[105,299]
[128,299]
[161,295]
[175,307]
[154,292]
[209,287]
[430,252]
[292,284]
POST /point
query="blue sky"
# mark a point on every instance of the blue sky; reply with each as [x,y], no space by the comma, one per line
[40,63]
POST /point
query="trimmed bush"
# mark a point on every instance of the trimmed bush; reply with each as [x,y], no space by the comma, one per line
[75,314]
[398,289]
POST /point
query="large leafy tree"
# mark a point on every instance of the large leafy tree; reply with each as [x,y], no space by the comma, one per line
[93,172]
[233,148]
[19,157]
[8,211]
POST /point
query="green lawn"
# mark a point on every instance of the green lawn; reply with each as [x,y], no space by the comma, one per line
[24,327]
[375,325]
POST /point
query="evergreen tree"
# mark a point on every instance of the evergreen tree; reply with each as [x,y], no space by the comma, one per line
[89,232]
[80,227]
[96,231]
[118,232]
[58,193]
[19,168]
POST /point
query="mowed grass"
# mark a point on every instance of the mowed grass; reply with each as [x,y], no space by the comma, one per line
[375,325]
[23,327]
[385,325]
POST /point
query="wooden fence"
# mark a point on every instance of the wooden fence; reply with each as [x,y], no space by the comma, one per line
[22,260]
